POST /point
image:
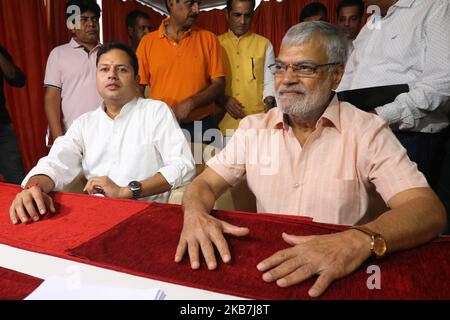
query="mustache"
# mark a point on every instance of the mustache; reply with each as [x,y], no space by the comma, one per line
[295,88]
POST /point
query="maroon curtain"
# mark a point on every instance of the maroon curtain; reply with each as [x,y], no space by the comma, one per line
[23,33]
[58,33]
[213,20]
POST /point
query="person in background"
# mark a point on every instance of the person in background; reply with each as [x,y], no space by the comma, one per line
[70,89]
[314,11]
[349,17]
[138,25]
[249,83]
[400,68]
[183,66]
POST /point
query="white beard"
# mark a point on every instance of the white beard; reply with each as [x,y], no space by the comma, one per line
[308,108]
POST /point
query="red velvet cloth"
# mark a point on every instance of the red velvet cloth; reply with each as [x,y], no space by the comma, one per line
[141,238]
[78,219]
[145,245]
[15,285]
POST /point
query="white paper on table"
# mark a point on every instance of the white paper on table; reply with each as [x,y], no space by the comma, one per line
[59,288]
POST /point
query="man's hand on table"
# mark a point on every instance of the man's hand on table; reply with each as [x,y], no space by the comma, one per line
[29,205]
[331,257]
[106,187]
[202,231]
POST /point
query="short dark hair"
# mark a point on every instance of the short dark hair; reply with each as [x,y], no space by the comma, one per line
[351,3]
[85,6]
[133,16]
[120,46]
[313,9]
[230,3]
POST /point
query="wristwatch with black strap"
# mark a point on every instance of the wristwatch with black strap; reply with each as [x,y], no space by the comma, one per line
[136,189]
[378,244]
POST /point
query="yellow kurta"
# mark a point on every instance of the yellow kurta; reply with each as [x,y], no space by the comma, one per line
[244,62]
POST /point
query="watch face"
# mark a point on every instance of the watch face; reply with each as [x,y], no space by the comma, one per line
[134,185]
[379,246]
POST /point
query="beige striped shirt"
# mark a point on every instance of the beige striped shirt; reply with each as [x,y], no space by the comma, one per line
[349,161]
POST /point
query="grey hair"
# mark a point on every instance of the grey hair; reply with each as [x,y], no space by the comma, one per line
[337,45]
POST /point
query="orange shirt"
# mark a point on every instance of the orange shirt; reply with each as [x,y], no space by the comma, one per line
[332,178]
[176,71]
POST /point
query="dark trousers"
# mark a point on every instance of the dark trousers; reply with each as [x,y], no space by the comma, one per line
[425,149]
[443,185]
[203,131]
[431,152]
[11,167]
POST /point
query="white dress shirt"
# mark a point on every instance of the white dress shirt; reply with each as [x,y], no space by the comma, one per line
[143,140]
[411,46]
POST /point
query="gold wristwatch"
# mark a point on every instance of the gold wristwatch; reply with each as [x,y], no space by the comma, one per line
[378,244]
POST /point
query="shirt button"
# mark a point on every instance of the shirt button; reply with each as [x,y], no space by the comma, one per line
[237,94]
[237,67]
[237,53]
[296,185]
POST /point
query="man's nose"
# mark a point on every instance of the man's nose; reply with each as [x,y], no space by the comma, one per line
[289,76]
[112,74]
[242,19]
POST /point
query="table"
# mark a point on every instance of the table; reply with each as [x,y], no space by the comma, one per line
[132,244]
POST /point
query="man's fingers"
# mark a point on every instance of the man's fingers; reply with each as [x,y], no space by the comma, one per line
[283,269]
[50,204]
[222,246]
[234,230]
[299,275]
[181,249]
[21,212]
[29,204]
[208,253]
[294,240]
[321,284]
[12,215]
[39,199]
[193,254]
[274,260]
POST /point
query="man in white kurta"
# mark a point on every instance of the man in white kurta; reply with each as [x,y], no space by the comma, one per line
[128,148]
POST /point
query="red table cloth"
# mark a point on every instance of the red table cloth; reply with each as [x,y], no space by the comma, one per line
[15,285]
[141,239]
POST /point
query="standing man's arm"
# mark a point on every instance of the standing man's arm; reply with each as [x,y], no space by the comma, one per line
[203,98]
[433,89]
[269,81]
[53,84]
[53,111]
[13,75]
[216,87]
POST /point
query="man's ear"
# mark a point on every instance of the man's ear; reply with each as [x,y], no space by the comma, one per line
[338,72]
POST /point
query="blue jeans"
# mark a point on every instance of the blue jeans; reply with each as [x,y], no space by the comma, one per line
[11,167]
